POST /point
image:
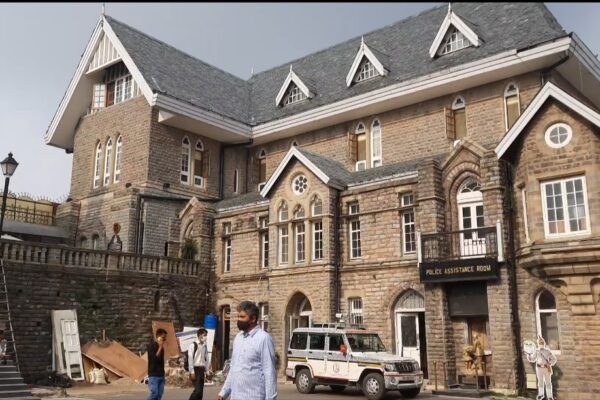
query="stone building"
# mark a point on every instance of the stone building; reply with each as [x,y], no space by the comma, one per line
[433,180]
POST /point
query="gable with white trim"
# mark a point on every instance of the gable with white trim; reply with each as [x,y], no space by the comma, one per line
[452,36]
[294,153]
[291,82]
[365,60]
[103,50]
[549,90]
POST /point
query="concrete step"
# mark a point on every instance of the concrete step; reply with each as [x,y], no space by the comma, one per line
[7,387]
[9,394]
[471,393]
[7,381]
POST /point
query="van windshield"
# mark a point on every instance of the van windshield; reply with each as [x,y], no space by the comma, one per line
[365,342]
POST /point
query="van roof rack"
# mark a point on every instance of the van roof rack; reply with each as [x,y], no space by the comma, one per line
[338,325]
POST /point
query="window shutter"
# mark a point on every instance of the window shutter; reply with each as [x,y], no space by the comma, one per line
[449,118]
[352,148]
[110,94]
[206,164]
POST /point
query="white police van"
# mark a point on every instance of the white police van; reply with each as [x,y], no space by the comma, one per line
[340,357]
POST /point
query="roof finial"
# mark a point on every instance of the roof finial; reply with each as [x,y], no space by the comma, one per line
[449,7]
[362,40]
[290,67]
[252,71]
[103,8]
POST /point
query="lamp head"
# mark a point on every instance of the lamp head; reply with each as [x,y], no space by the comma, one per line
[9,165]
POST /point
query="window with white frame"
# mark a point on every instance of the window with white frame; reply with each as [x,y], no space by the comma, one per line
[283,212]
[283,244]
[547,319]
[361,147]
[118,156]
[227,263]
[199,164]
[123,89]
[354,224]
[264,316]
[294,94]
[356,310]
[95,242]
[107,161]
[317,207]
[97,165]
[565,207]
[558,135]
[408,224]
[185,160]
[300,242]
[512,106]
[262,169]
[317,244]
[264,246]
[99,96]
[454,41]
[376,144]
[366,70]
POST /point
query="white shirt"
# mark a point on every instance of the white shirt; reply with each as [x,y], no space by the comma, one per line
[198,359]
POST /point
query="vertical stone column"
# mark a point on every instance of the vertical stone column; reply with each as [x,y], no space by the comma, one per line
[67,217]
[430,199]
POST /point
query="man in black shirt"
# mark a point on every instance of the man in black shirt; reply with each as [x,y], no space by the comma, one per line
[156,365]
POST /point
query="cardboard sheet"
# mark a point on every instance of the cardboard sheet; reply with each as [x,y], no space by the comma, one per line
[116,358]
[171,345]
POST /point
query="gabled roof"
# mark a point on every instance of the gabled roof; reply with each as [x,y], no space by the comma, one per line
[292,77]
[453,20]
[550,90]
[169,76]
[364,51]
[330,172]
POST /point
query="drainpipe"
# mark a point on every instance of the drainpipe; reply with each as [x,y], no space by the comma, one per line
[511,263]
[338,252]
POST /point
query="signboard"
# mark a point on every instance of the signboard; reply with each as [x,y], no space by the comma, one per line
[470,269]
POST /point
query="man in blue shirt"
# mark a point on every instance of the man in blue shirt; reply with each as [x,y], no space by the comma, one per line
[252,375]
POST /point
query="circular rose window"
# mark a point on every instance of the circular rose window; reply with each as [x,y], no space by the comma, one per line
[300,184]
[558,135]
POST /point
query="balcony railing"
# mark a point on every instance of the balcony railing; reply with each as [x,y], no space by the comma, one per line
[459,245]
[29,211]
[36,253]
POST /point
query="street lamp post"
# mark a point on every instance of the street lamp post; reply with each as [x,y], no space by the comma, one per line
[9,165]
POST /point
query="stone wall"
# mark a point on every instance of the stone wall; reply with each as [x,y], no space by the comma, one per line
[119,299]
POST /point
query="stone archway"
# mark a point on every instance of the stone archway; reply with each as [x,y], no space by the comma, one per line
[409,327]
[298,313]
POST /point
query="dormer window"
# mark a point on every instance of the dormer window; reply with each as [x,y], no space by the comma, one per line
[116,86]
[294,95]
[123,89]
[454,41]
[366,71]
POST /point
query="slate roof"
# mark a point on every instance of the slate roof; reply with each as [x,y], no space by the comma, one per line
[335,170]
[246,199]
[405,44]
[387,171]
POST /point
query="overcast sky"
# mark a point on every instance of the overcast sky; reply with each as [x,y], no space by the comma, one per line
[41,45]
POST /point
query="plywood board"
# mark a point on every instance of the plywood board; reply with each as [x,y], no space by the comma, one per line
[171,345]
[116,358]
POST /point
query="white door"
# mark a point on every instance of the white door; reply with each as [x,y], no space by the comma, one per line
[407,335]
[471,217]
[72,349]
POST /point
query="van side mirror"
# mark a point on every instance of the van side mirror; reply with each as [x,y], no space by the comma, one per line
[343,348]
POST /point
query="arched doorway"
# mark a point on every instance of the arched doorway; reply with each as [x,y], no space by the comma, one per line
[299,312]
[409,321]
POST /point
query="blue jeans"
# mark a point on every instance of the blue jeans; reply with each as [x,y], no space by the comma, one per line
[156,384]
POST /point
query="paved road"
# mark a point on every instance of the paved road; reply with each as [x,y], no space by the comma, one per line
[286,392]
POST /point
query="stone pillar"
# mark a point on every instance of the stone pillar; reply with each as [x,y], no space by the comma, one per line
[67,217]
[440,337]
[431,202]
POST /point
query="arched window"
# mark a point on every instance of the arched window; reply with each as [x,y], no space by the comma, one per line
[410,300]
[97,165]
[83,242]
[376,144]
[460,118]
[199,163]
[283,212]
[262,169]
[512,106]
[547,319]
[185,160]
[317,206]
[361,146]
[95,242]
[299,213]
[117,175]
[235,181]
[107,161]
[470,214]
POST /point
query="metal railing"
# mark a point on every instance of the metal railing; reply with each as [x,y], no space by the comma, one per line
[29,211]
[36,253]
[456,245]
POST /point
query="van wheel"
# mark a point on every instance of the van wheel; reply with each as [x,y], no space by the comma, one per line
[410,393]
[337,389]
[304,382]
[373,386]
